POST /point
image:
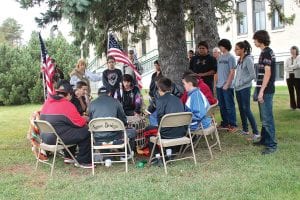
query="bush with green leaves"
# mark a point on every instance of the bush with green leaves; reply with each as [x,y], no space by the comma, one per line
[20,80]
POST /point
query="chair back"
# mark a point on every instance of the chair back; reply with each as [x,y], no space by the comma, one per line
[176,119]
[44,127]
[106,124]
[211,110]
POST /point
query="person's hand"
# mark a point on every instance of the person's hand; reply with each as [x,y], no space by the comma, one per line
[260,97]
[225,87]
[86,117]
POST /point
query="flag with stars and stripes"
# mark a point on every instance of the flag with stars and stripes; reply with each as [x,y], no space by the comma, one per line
[47,67]
[116,51]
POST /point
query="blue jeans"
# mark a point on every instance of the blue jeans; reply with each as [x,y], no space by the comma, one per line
[243,100]
[267,119]
[227,106]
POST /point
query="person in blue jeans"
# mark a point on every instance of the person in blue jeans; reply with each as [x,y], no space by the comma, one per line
[266,88]
[225,93]
[245,73]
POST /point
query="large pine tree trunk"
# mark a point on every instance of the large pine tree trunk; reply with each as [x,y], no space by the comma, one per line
[171,38]
[206,29]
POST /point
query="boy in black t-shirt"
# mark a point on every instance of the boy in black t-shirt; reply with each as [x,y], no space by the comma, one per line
[204,65]
[266,89]
[111,77]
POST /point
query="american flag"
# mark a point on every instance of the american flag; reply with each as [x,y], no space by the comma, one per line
[47,67]
[116,51]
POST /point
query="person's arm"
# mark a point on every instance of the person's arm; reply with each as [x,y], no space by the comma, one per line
[197,107]
[74,116]
[160,110]
[92,76]
[297,65]
[250,67]
[74,79]
[230,77]
[264,84]
[287,65]
[138,103]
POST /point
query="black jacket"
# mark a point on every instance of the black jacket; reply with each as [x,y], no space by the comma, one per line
[106,106]
[168,103]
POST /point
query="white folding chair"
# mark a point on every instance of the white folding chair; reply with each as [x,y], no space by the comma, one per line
[109,124]
[211,130]
[173,120]
[46,128]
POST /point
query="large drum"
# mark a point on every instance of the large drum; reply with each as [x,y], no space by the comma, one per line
[139,123]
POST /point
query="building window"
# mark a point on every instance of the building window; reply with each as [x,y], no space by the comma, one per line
[276,22]
[259,15]
[279,71]
[242,23]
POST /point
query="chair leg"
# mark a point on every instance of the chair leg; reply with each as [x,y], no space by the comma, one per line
[163,157]
[53,163]
[130,151]
[198,141]
[37,159]
[193,151]
[218,139]
[151,155]
[92,153]
[209,148]
[126,160]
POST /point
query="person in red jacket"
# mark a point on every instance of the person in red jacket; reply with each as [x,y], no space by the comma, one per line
[67,122]
[203,88]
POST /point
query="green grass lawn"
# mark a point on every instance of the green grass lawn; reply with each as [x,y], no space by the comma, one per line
[238,172]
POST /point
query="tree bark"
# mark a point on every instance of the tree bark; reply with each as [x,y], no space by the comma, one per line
[171,39]
[203,12]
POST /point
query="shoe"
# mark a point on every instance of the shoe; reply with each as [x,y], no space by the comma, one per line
[232,129]
[129,156]
[84,165]
[43,157]
[157,162]
[69,161]
[268,151]
[256,137]
[244,132]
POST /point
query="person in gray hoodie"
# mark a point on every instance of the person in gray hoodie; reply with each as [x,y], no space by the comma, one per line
[245,73]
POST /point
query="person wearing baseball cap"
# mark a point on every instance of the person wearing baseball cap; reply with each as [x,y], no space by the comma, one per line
[69,125]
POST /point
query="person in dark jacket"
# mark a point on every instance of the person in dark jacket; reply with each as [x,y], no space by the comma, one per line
[168,103]
[78,98]
[129,96]
[67,122]
[107,106]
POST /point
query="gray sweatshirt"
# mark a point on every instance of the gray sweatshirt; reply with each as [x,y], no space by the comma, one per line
[245,73]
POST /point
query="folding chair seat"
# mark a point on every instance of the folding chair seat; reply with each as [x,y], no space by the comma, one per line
[211,130]
[173,120]
[46,128]
[109,124]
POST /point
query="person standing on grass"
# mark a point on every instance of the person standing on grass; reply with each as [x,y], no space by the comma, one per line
[266,88]
[112,77]
[292,69]
[245,73]
[204,65]
[225,94]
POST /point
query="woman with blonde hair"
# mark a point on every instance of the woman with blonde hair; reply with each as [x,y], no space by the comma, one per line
[81,74]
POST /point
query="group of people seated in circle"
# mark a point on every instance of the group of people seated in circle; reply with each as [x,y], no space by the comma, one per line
[70,109]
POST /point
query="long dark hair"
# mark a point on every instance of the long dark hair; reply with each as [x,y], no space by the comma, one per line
[246,46]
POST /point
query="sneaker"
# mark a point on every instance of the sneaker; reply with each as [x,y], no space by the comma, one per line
[157,162]
[129,156]
[232,129]
[84,165]
[244,132]
[256,137]
[268,151]
[69,161]
[43,157]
